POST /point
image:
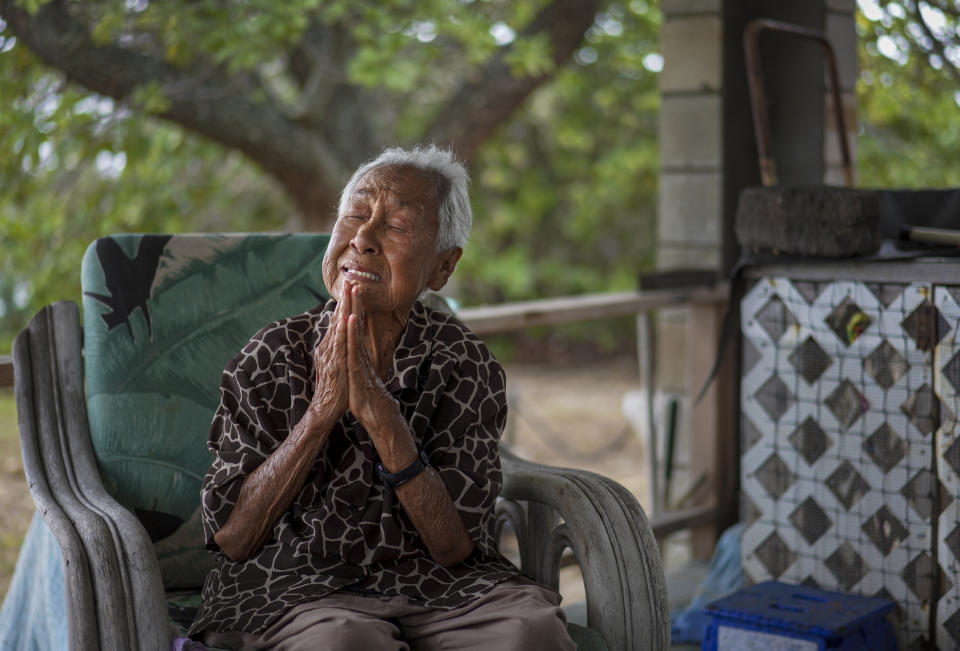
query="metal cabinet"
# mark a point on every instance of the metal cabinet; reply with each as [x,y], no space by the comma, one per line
[850,459]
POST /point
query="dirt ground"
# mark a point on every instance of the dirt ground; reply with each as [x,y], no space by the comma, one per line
[571,415]
[566,414]
[16,507]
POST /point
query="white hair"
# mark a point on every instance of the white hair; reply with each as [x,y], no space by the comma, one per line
[453,202]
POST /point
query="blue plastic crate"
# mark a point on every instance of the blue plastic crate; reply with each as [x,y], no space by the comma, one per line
[775,616]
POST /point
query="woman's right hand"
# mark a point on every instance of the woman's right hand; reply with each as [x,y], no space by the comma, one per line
[330,363]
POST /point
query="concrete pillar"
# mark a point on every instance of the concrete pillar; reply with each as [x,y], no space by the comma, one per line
[707,148]
[691,135]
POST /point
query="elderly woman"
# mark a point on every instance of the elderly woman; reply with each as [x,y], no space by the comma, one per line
[351,498]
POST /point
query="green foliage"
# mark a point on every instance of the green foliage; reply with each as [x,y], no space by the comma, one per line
[208,298]
[565,197]
[531,56]
[909,108]
[77,166]
[564,194]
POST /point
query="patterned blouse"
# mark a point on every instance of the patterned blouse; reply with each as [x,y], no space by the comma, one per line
[345,528]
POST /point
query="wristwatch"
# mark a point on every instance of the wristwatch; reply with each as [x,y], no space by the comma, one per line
[399,478]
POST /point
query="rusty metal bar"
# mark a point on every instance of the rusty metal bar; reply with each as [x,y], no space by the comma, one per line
[761,122]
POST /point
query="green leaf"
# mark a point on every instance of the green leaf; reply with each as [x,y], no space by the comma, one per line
[530,57]
[150,98]
[151,394]
[207,307]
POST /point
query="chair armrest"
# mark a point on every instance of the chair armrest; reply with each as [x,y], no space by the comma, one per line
[608,532]
[115,593]
[82,628]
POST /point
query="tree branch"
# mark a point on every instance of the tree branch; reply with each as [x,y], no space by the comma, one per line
[328,103]
[937,43]
[482,104]
[311,64]
[201,99]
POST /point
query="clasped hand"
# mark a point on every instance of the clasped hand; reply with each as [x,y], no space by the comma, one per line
[346,377]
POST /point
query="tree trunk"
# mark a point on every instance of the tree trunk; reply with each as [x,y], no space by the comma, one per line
[315,200]
[310,158]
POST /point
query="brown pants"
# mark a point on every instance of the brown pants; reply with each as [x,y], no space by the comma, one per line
[515,615]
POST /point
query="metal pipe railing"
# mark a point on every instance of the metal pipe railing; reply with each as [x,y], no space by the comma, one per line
[508,317]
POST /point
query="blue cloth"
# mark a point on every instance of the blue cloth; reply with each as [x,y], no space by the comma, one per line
[724,576]
[34,613]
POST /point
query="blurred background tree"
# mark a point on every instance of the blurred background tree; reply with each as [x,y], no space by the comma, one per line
[202,115]
[908,94]
[196,115]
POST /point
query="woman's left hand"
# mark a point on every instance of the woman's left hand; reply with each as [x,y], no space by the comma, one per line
[368,399]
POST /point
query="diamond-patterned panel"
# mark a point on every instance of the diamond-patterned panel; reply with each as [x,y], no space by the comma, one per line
[925,578]
[953,541]
[749,356]
[810,440]
[923,409]
[922,490]
[885,448]
[847,403]
[775,397]
[810,520]
[952,456]
[885,365]
[749,434]
[897,616]
[885,530]
[808,289]
[775,476]
[847,566]
[926,326]
[886,292]
[749,511]
[810,360]
[952,625]
[832,469]
[775,318]
[775,555]
[947,387]
[848,321]
[951,371]
[847,485]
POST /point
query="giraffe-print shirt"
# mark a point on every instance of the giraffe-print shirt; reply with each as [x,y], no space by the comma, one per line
[345,528]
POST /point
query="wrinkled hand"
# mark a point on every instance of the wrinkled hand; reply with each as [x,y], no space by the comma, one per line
[330,361]
[368,398]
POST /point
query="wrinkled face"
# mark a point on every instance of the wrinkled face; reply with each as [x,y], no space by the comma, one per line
[385,241]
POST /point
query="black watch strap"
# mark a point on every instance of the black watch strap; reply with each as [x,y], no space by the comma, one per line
[401,477]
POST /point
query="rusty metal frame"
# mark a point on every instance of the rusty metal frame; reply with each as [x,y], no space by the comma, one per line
[761,122]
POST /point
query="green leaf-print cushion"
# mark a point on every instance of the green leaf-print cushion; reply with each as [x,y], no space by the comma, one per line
[162,316]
